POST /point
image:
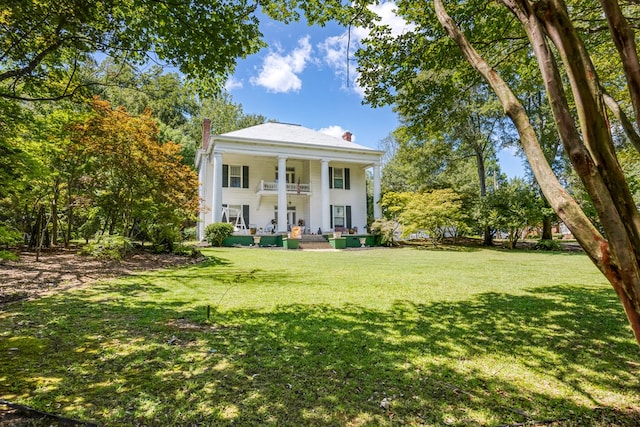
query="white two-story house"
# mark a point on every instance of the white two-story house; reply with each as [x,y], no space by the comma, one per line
[274,175]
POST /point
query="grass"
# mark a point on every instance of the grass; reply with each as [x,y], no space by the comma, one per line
[357,338]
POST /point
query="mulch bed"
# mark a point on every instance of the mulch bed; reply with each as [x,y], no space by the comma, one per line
[62,269]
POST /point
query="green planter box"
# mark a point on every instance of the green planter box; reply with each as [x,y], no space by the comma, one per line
[290,243]
[353,240]
[238,240]
[339,243]
[271,240]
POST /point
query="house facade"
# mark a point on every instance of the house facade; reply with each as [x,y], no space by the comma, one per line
[274,176]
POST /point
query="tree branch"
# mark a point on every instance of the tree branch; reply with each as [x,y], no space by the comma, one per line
[560,200]
[36,59]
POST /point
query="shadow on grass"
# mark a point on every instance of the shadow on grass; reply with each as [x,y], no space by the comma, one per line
[562,353]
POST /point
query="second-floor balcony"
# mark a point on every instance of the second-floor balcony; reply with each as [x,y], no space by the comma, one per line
[295,188]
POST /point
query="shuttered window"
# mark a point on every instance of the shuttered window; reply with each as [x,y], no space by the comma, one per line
[235,176]
[340,178]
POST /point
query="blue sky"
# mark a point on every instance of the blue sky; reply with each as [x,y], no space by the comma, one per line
[302,78]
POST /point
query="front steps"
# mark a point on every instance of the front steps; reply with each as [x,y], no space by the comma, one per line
[314,241]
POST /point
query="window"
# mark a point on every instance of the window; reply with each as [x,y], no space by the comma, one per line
[235,176]
[338,216]
[291,175]
[339,178]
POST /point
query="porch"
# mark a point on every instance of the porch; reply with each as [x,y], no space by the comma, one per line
[306,241]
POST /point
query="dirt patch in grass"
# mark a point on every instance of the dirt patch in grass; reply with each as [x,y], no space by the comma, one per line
[61,269]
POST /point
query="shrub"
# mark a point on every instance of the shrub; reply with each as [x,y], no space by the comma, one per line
[386,231]
[189,251]
[163,236]
[548,245]
[9,236]
[8,255]
[189,234]
[216,233]
[90,227]
[110,247]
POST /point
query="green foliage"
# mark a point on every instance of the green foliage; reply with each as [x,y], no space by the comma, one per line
[9,236]
[548,245]
[48,40]
[436,212]
[511,209]
[8,255]
[394,203]
[189,233]
[111,247]
[185,250]
[91,225]
[385,231]
[163,236]
[216,233]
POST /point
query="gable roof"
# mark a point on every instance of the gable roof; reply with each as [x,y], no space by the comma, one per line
[289,133]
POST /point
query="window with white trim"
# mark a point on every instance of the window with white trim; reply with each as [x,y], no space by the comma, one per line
[338,216]
[291,175]
[235,176]
[338,178]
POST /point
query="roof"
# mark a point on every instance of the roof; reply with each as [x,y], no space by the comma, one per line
[289,133]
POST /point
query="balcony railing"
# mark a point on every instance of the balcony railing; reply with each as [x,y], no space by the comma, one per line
[291,188]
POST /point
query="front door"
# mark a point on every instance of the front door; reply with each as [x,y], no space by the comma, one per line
[291,217]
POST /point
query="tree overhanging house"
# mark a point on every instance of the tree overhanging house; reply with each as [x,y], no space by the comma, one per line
[275,175]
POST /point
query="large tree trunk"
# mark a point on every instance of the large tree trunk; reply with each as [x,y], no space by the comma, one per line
[487,239]
[593,157]
[54,213]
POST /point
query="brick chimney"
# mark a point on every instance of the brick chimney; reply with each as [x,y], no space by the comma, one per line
[206,133]
[347,136]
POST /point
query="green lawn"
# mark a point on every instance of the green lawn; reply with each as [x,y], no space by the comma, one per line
[439,337]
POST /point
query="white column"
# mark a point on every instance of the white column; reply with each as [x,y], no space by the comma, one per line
[216,203]
[325,214]
[377,210]
[282,194]
[202,177]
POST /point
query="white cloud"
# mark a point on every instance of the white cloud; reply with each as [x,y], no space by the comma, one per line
[387,13]
[232,83]
[335,55]
[335,48]
[280,72]
[336,131]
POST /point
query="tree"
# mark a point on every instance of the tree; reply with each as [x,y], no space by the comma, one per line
[439,103]
[47,41]
[437,212]
[513,208]
[225,116]
[586,137]
[565,44]
[139,184]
